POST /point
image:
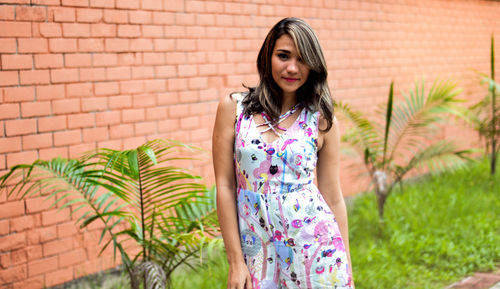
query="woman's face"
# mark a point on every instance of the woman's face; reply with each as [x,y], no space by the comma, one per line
[288,69]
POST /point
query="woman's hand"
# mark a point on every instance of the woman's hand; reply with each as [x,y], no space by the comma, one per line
[239,277]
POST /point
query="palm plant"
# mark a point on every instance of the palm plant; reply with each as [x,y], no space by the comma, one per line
[485,115]
[140,198]
[405,142]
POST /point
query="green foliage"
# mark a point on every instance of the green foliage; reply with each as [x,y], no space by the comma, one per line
[139,196]
[404,140]
[485,115]
[441,229]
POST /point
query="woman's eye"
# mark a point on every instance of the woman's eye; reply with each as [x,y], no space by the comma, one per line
[283,56]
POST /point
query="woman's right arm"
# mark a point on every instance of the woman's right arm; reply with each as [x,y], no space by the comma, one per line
[222,153]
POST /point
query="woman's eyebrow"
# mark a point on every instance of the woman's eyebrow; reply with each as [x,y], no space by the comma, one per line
[283,50]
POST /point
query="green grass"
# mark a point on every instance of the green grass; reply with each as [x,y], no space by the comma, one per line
[438,230]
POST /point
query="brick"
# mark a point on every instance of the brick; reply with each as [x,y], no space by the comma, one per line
[184,19]
[92,74]
[166,98]
[20,127]
[141,44]
[53,123]
[103,30]
[57,246]
[187,70]
[105,118]
[31,13]
[205,19]
[177,84]
[22,223]
[55,216]
[145,128]
[118,73]
[106,88]
[76,29]
[76,151]
[37,281]
[7,12]
[140,17]
[13,274]
[49,30]
[59,276]
[95,134]
[19,256]
[4,228]
[77,3]
[115,16]
[189,96]
[133,115]
[151,5]
[47,154]
[8,45]
[34,77]
[72,257]
[42,266]
[196,83]
[15,29]
[91,104]
[62,45]
[129,31]
[173,5]
[49,92]
[9,110]
[128,59]
[165,71]
[67,137]
[168,125]
[104,59]
[79,89]
[163,18]
[65,106]
[37,204]
[111,144]
[38,108]
[102,3]
[21,158]
[117,45]
[90,45]
[9,78]
[131,86]
[64,75]
[143,72]
[152,31]
[19,94]
[89,15]
[64,14]
[120,101]
[66,229]
[49,60]
[156,113]
[11,209]
[17,61]
[81,120]
[180,110]
[154,58]
[155,85]
[78,60]
[121,131]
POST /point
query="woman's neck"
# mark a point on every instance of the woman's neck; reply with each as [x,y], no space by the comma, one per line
[288,102]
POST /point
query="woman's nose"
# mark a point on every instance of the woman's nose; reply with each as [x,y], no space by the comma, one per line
[292,66]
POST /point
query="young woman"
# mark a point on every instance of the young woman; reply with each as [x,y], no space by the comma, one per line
[280,229]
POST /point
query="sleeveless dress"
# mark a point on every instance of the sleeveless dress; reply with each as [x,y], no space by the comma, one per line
[289,235]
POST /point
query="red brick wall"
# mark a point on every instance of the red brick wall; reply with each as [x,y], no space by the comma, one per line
[76,75]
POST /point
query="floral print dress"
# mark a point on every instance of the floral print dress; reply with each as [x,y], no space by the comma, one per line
[289,235]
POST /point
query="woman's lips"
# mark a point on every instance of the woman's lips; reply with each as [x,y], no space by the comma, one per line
[290,79]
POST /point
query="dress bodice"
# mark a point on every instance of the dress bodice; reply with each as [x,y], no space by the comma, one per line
[284,165]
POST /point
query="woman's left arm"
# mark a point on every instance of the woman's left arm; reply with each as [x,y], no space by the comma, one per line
[329,180]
